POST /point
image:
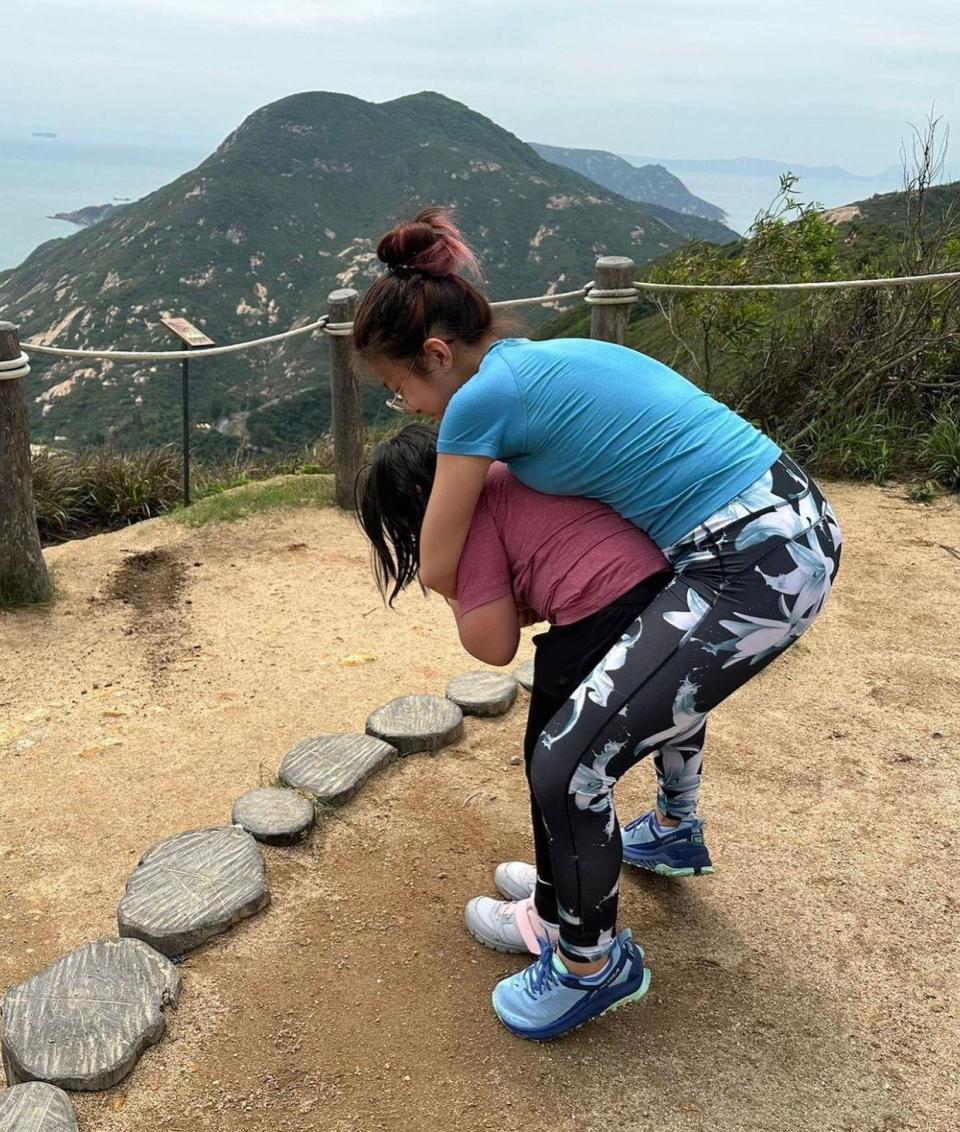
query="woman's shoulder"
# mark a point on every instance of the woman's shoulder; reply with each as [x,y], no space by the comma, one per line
[522,354]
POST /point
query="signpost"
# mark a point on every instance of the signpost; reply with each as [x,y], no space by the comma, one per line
[191,338]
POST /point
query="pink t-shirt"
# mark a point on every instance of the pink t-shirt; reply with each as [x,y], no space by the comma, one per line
[563,556]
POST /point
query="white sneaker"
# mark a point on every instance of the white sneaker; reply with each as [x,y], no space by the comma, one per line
[515,879]
[507,925]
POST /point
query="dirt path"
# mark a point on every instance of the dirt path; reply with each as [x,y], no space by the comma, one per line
[811,984]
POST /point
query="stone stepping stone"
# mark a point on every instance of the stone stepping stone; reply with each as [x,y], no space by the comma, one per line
[36,1107]
[193,886]
[331,768]
[274,815]
[83,1022]
[417,723]
[523,674]
[483,693]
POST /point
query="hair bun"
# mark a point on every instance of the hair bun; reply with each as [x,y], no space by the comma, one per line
[430,243]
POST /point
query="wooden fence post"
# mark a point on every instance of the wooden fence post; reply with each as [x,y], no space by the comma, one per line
[23,572]
[346,408]
[612,298]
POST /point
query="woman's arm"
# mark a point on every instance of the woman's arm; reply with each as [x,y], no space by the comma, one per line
[456,489]
[490,632]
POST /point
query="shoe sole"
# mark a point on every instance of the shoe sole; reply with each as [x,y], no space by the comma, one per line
[539,1036]
[668,870]
[502,948]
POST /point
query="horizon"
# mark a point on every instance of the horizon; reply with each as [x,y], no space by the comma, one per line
[29,129]
[749,78]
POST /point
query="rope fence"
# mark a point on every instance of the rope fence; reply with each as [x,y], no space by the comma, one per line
[589,292]
[610,296]
[175,355]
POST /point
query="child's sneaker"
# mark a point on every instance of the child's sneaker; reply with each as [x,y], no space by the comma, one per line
[679,852]
[545,1000]
[515,879]
[507,925]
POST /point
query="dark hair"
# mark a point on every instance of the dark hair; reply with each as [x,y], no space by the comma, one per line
[390,496]
[424,291]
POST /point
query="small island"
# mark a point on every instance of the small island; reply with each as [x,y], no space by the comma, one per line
[43,134]
[84,217]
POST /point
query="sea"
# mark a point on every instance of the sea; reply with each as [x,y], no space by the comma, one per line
[742,193]
[40,176]
[43,175]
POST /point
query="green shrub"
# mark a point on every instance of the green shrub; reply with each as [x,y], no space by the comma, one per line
[940,450]
[872,446]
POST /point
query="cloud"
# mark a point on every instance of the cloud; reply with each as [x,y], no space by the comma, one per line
[838,81]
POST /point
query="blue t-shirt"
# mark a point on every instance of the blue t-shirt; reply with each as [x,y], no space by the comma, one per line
[575,416]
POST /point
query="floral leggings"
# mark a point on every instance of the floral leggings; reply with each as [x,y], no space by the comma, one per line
[747,583]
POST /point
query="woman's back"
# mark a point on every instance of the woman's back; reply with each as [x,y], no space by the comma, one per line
[582,417]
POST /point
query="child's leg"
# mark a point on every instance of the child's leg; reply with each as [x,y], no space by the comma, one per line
[543,707]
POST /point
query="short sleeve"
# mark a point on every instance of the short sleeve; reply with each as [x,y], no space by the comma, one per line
[484,571]
[485,417]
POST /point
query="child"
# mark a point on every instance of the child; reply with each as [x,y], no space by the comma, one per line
[753,544]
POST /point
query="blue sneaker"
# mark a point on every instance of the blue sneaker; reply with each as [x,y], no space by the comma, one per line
[545,1000]
[679,852]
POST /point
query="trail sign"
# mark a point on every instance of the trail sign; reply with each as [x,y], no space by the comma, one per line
[191,337]
[186,332]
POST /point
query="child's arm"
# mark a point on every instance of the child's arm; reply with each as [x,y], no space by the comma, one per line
[456,489]
[490,632]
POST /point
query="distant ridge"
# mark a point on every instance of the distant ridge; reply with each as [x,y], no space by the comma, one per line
[649,184]
[758,166]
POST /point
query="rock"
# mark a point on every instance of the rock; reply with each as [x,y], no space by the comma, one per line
[483,693]
[83,1022]
[523,674]
[36,1107]
[417,723]
[193,886]
[274,815]
[331,768]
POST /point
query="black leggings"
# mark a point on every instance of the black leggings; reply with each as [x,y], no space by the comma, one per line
[747,583]
[565,657]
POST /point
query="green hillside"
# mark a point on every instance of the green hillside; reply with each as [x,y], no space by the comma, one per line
[251,242]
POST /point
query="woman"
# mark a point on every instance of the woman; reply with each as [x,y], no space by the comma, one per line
[752,541]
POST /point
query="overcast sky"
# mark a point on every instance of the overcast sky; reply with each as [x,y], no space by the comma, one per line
[809,81]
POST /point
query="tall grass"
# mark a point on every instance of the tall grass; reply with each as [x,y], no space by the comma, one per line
[83,493]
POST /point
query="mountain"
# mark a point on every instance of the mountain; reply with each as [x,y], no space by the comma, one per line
[650,184]
[252,241]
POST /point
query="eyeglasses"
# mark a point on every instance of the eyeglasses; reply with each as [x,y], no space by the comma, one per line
[396,402]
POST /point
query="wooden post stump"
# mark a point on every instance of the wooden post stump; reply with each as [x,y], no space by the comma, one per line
[23,572]
[346,408]
[612,298]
